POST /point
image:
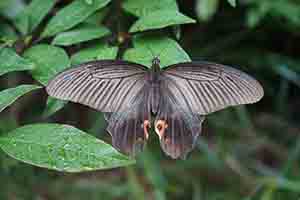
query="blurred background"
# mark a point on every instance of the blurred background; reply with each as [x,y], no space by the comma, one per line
[244,153]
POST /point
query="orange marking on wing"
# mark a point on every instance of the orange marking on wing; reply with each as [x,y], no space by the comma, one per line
[160,128]
[146,126]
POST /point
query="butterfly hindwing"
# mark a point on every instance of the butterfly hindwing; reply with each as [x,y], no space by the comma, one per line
[177,128]
[129,127]
[177,133]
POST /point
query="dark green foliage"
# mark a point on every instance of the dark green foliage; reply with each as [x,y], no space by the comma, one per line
[245,153]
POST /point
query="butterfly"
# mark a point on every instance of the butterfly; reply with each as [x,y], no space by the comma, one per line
[172,101]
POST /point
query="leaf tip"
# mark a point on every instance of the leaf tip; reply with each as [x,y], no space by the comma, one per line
[232,3]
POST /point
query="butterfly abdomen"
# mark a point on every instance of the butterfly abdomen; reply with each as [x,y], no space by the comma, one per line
[154,98]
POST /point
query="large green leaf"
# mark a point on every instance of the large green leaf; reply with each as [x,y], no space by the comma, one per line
[10,61]
[72,15]
[80,35]
[160,19]
[99,52]
[49,60]
[61,147]
[143,7]
[8,96]
[147,47]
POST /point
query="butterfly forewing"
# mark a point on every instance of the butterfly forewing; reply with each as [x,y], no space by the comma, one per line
[106,85]
[204,88]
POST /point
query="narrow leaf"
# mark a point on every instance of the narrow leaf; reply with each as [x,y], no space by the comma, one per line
[49,60]
[80,35]
[9,96]
[71,15]
[146,47]
[160,19]
[62,148]
[99,52]
[10,61]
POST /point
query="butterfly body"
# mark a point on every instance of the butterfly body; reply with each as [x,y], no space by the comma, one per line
[172,101]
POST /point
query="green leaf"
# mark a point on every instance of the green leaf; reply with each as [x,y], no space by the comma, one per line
[154,174]
[9,96]
[177,32]
[14,11]
[27,20]
[89,1]
[147,47]
[136,189]
[253,18]
[232,3]
[7,33]
[61,147]
[4,4]
[143,7]
[37,10]
[80,35]
[97,18]
[72,15]
[49,60]
[13,8]
[22,22]
[99,52]
[160,19]
[53,105]
[10,61]
[206,9]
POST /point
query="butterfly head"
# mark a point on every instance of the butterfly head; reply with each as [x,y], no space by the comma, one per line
[155,61]
[156,64]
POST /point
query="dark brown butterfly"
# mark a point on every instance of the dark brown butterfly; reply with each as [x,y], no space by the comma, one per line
[173,101]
